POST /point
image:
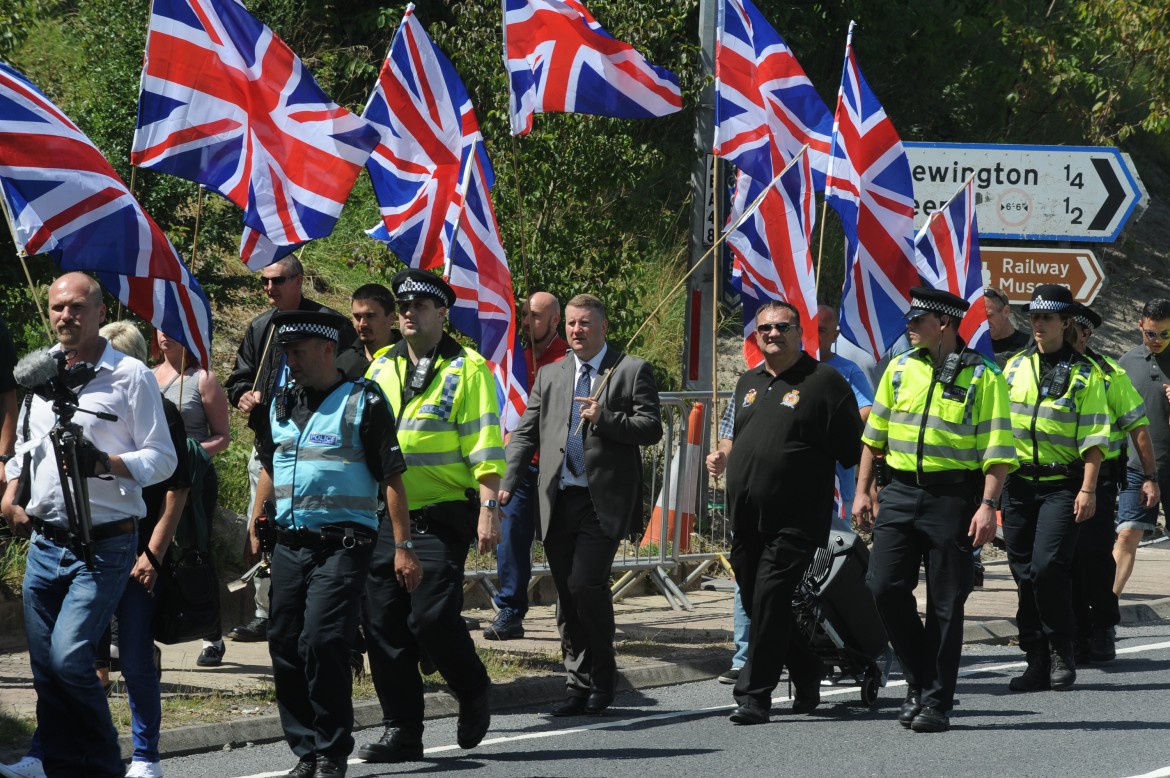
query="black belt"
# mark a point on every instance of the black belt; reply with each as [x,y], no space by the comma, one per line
[333,537]
[454,514]
[1050,470]
[940,478]
[63,537]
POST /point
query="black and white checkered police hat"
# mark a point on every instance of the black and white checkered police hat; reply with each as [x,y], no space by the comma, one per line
[293,326]
[1050,298]
[413,284]
[925,300]
[1086,316]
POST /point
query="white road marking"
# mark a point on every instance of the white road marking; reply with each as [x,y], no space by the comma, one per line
[826,691]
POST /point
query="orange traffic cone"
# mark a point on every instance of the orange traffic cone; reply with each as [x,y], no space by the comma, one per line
[689,496]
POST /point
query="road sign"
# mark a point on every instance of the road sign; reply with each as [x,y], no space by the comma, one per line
[1017,270]
[1078,193]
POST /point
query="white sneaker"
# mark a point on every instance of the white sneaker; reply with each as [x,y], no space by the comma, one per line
[29,767]
[144,770]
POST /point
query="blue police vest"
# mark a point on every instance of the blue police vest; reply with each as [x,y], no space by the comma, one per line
[319,472]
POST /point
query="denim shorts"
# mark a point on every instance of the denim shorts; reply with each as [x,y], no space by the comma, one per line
[1130,513]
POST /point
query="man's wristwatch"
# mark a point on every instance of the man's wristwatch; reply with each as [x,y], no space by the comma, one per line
[5,459]
[407,544]
[1150,477]
[988,502]
[489,504]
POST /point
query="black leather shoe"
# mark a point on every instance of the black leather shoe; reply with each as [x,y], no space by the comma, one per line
[330,768]
[305,768]
[1102,645]
[1062,671]
[254,631]
[749,713]
[931,720]
[395,745]
[475,716]
[911,707]
[571,706]
[1035,677]
[598,701]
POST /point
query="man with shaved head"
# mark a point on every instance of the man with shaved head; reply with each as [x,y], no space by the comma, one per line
[540,318]
[67,601]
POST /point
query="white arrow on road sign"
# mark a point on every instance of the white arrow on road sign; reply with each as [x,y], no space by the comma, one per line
[1078,193]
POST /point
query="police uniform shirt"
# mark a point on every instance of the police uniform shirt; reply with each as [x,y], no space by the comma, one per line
[789,431]
[1149,372]
[376,430]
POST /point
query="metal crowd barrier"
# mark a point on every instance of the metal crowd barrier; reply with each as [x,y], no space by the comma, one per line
[680,465]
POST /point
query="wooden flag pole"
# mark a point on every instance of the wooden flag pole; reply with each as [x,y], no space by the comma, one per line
[821,246]
[198,217]
[32,290]
[716,271]
[666,298]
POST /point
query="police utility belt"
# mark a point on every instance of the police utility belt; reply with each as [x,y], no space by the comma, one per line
[327,538]
[66,539]
[940,478]
[1030,470]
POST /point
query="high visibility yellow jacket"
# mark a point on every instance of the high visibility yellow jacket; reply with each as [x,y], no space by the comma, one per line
[1127,410]
[1061,429]
[449,432]
[923,423]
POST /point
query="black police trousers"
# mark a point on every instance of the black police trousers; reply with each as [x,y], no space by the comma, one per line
[312,620]
[1041,537]
[1094,569]
[925,526]
[768,567]
[400,623]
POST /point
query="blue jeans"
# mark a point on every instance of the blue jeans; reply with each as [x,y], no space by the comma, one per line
[136,653]
[742,627]
[66,609]
[514,553]
[1130,513]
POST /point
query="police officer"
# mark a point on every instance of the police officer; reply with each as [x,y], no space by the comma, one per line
[328,452]
[939,423]
[444,397]
[1060,424]
[1094,601]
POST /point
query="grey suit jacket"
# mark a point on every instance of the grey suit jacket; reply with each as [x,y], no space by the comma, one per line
[613,462]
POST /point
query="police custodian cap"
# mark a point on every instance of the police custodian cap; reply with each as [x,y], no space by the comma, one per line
[1086,316]
[925,300]
[1050,298]
[293,326]
[414,284]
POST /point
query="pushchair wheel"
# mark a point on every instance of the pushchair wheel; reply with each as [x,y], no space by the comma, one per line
[869,688]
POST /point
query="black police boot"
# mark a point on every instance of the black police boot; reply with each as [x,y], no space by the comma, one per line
[395,745]
[1063,668]
[305,768]
[330,768]
[911,707]
[1102,645]
[475,716]
[1035,677]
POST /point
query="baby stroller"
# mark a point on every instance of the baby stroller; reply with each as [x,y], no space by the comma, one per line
[837,618]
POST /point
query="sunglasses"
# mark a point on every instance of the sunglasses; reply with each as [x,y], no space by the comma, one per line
[781,327]
[1163,335]
[996,294]
[274,280]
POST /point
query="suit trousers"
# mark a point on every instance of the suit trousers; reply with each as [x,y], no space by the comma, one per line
[312,623]
[916,526]
[429,618]
[580,556]
[768,567]
[1094,568]
[1041,537]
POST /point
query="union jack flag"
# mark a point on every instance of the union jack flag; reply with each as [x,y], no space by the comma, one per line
[869,186]
[561,60]
[225,102]
[770,250]
[62,197]
[947,252]
[432,178]
[766,108]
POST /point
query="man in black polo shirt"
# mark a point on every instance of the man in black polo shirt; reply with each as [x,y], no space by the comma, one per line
[792,419]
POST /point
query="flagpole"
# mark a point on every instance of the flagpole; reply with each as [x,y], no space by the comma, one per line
[21,255]
[718,242]
[195,234]
[821,245]
[464,183]
[715,278]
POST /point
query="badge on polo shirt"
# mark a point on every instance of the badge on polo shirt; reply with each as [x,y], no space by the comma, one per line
[791,399]
[321,439]
[749,398]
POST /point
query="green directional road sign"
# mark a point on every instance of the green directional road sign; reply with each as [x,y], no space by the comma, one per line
[1074,193]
